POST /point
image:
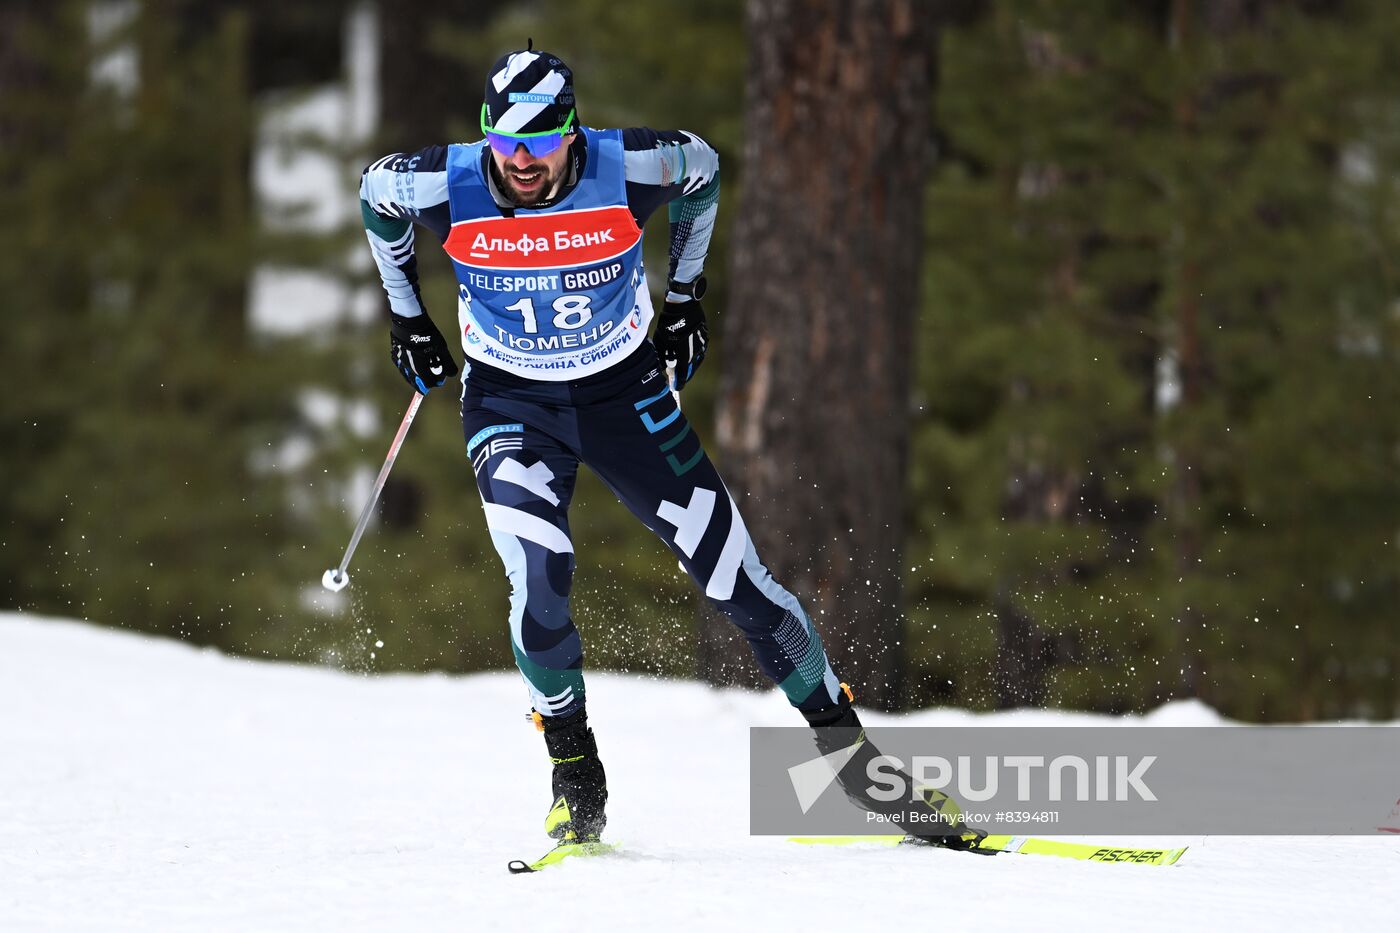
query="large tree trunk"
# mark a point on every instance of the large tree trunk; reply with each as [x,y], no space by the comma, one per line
[812,418]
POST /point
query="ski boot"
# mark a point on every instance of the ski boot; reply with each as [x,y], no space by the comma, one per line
[838,730]
[579,784]
[576,819]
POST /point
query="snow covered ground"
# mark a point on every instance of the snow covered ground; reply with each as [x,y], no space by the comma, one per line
[146,785]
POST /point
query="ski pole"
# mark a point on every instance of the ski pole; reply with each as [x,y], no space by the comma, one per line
[336,579]
[675,394]
[671,381]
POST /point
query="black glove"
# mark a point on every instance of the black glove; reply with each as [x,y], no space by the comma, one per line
[680,338]
[420,353]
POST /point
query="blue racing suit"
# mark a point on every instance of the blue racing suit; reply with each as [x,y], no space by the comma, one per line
[553,310]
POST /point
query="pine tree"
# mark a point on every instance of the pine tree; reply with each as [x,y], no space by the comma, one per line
[1157,360]
[149,396]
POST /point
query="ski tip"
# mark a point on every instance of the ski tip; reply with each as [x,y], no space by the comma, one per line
[560,852]
[1085,852]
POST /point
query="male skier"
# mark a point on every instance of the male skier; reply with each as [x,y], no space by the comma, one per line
[543,221]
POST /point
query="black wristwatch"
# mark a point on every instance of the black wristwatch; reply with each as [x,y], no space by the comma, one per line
[692,290]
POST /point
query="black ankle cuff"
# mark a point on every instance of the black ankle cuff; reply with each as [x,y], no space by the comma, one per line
[842,715]
[571,739]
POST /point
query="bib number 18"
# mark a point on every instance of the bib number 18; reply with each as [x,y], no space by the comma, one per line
[570,312]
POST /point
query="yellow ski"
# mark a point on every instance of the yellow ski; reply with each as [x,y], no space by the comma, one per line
[1025,845]
[560,852]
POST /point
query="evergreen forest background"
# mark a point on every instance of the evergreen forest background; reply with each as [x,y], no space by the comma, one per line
[1151,444]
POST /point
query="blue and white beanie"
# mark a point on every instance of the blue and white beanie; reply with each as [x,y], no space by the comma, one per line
[529,91]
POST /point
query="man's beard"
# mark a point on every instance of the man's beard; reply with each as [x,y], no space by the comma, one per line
[541,192]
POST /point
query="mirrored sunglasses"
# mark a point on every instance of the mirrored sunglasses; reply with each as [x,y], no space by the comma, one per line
[538,145]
